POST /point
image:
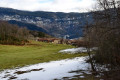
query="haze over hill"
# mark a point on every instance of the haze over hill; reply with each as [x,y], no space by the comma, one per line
[57,24]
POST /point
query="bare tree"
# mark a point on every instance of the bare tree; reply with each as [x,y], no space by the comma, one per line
[104,33]
[12,34]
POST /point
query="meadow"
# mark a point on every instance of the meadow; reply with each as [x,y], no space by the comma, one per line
[12,56]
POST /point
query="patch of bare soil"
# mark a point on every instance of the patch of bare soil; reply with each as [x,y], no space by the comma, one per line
[22,72]
[12,77]
[82,75]
[111,75]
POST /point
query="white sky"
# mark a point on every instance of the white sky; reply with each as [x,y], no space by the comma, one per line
[50,5]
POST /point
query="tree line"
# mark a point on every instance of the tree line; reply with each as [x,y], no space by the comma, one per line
[12,34]
[15,35]
[104,34]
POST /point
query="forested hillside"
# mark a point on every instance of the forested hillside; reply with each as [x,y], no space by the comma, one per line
[15,35]
[12,34]
[56,24]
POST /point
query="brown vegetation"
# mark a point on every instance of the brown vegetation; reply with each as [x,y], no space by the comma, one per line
[12,34]
[105,34]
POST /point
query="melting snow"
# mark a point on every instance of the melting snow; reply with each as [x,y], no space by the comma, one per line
[76,50]
[51,70]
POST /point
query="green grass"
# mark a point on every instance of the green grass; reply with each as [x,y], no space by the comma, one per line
[12,56]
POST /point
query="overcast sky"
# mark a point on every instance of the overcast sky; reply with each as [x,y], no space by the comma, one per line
[49,5]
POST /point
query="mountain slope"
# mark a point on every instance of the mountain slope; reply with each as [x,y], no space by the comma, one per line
[56,24]
[28,26]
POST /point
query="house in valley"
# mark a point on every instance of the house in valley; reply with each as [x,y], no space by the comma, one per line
[49,40]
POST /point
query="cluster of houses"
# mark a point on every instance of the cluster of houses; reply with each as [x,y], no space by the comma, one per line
[50,40]
[60,41]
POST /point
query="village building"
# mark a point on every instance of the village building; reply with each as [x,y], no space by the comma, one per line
[49,40]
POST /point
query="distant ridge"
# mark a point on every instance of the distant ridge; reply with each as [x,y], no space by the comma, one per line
[57,24]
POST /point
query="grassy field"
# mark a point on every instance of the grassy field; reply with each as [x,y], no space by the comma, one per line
[35,52]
